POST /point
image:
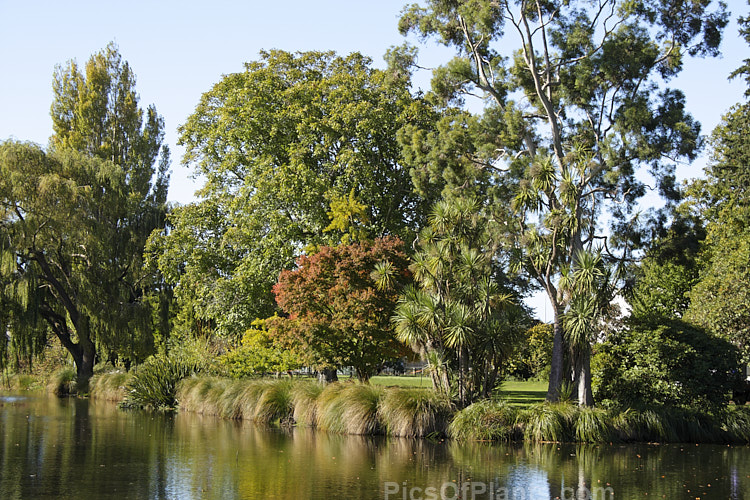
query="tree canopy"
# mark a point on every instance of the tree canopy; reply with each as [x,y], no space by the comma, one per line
[74,219]
[298,151]
[574,105]
[337,315]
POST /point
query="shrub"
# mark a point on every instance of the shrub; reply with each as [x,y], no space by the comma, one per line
[666,364]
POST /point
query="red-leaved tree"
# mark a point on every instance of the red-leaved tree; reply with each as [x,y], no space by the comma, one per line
[337,316]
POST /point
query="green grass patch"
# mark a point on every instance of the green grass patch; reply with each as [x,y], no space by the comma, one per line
[401,381]
[526,393]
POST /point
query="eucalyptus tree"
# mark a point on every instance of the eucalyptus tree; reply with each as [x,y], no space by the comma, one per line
[74,219]
[575,104]
[298,151]
[461,314]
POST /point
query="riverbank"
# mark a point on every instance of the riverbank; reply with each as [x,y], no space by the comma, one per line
[353,408]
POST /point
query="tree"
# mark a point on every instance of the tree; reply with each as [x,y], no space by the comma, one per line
[572,110]
[75,219]
[666,362]
[298,151]
[461,314]
[259,354]
[337,316]
[720,301]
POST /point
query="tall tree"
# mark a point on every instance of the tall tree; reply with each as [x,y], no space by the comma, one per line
[574,106]
[720,301]
[298,151]
[75,220]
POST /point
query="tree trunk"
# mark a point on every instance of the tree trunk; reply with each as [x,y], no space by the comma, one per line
[583,376]
[558,360]
[327,376]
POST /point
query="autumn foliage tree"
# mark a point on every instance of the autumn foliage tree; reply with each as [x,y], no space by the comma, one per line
[336,315]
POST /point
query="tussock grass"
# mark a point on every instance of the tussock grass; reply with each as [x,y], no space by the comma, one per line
[593,425]
[304,399]
[736,423]
[154,383]
[415,412]
[545,422]
[275,403]
[349,408]
[110,386]
[263,401]
[62,382]
[485,421]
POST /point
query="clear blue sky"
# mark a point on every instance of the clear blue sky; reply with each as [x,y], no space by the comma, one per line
[179,49]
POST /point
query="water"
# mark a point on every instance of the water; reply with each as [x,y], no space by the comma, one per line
[73,448]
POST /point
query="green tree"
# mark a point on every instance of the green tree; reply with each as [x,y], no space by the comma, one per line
[574,106]
[461,315]
[337,315]
[720,301]
[75,219]
[259,354]
[666,363]
[298,151]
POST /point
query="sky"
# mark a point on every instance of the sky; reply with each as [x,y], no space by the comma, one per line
[180,49]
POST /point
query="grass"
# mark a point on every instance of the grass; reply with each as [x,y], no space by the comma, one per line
[62,382]
[523,394]
[349,408]
[485,421]
[111,386]
[415,413]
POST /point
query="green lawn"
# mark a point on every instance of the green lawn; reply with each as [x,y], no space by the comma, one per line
[523,393]
[401,381]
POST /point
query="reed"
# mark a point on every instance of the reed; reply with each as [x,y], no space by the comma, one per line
[349,408]
[111,386]
[485,421]
[415,412]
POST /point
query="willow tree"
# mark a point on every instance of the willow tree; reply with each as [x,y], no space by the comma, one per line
[575,104]
[74,219]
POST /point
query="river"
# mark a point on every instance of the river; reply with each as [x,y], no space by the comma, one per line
[81,449]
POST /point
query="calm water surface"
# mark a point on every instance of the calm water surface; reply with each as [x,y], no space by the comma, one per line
[74,448]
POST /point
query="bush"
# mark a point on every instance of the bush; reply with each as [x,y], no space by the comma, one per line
[154,383]
[666,363]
